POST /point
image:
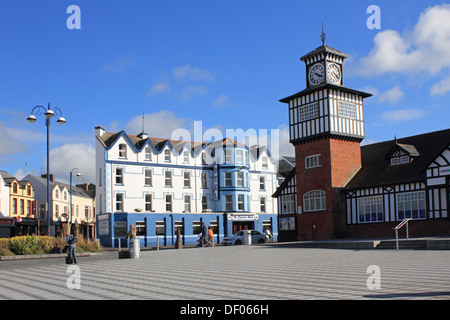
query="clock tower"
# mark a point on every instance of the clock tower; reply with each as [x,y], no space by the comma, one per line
[326,126]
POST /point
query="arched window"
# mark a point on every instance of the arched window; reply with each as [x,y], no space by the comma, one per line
[315,200]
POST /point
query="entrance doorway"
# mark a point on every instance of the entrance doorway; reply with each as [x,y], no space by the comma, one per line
[243,225]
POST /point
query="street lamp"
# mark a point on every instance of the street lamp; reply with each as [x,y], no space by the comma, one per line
[49,113]
[78,174]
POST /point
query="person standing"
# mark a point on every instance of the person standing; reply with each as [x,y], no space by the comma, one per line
[204,234]
[71,241]
[132,233]
[211,236]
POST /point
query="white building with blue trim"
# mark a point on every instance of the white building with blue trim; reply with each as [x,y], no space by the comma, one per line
[162,185]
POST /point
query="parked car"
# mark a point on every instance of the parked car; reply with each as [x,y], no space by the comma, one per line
[238,238]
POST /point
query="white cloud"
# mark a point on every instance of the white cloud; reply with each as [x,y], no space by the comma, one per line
[424,49]
[121,65]
[158,125]
[159,88]
[392,96]
[403,115]
[69,156]
[222,101]
[441,88]
[188,73]
[190,92]
[9,144]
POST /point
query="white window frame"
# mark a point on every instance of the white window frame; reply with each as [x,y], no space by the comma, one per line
[186,179]
[370,209]
[262,183]
[169,202]
[414,201]
[229,202]
[167,156]
[122,150]
[288,204]
[265,162]
[240,179]
[314,200]
[148,178]
[262,204]
[148,202]
[119,202]
[187,203]
[168,178]
[119,176]
[314,161]
[228,181]
[147,153]
[185,156]
[241,202]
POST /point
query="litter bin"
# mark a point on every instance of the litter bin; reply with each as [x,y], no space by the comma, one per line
[134,248]
[247,237]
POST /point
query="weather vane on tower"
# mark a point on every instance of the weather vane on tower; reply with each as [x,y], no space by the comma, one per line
[322,36]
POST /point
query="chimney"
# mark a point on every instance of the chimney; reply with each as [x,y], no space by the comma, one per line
[52,177]
[99,131]
[143,135]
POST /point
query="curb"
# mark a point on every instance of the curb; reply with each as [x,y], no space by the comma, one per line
[46,256]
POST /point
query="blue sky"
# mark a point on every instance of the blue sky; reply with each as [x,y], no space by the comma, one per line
[225,63]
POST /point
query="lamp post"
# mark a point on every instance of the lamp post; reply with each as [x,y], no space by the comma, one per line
[78,174]
[49,113]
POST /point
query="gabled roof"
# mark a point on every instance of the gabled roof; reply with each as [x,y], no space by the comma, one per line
[326,49]
[377,171]
[284,184]
[158,144]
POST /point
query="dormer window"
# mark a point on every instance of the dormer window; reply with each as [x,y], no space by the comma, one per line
[122,150]
[400,160]
[401,154]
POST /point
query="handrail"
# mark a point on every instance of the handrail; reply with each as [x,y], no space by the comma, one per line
[401,224]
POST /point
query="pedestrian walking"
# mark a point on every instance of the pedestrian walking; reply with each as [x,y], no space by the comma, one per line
[211,236]
[204,234]
[71,241]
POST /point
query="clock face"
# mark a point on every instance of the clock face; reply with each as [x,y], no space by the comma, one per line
[316,74]
[333,73]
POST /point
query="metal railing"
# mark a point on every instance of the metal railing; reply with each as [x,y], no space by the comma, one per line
[404,222]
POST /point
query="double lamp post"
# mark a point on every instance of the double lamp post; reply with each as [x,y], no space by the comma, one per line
[49,113]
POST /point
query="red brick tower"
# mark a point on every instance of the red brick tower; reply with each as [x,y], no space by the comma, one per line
[326,127]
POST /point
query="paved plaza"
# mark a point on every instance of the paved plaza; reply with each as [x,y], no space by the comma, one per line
[242,272]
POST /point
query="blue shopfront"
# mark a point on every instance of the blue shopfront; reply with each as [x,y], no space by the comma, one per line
[154,228]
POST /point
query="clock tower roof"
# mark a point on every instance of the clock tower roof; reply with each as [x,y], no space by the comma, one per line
[323,86]
[324,49]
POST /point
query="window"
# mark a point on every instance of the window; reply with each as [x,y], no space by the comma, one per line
[168,178]
[240,202]
[262,204]
[187,203]
[28,207]
[314,200]
[148,154]
[148,177]
[65,195]
[167,155]
[179,226]
[228,156]
[22,207]
[160,228]
[14,206]
[57,211]
[240,156]
[370,209]
[204,180]
[229,202]
[119,175]
[308,112]
[314,161]
[119,201]
[346,109]
[196,227]
[56,193]
[186,156]
[14,187]
[262,183]
[288,204]
[187,179]
[264,162]
[203,157]
[228,179]
[240,179]
[411,205]
[148,202]
[204,203]
[87,212]
[140,228]
[286,224]
[400,160]
[28,191]
[122,150]
[168,202]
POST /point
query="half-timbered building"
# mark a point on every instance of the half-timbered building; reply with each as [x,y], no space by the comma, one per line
[343,189]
